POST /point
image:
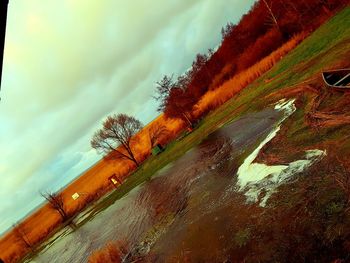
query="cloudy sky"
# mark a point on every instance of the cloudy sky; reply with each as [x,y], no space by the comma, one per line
[70,63]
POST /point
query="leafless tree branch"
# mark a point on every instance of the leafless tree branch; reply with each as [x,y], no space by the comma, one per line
[117,131]
[56,202]
[21,236]
[155,132]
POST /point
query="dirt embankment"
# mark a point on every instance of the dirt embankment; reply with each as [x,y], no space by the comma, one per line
[322,115]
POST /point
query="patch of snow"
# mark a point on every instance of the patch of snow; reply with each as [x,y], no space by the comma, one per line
[251,172]
[258,178]
[269,184]
[287,107]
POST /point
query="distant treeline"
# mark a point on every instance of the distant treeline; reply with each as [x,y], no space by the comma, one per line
[267,26]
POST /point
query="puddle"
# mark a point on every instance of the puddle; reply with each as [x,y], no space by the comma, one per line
[188,209]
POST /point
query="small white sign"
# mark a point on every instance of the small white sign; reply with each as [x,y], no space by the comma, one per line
[114,181]
[75,196]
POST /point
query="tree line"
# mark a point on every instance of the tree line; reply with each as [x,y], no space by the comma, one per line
[268,25]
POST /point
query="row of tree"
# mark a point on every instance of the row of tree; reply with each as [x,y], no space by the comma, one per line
[268,25]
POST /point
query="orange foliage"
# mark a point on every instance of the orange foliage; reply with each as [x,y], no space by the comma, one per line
[111,253]
[259,49]
[264,28]
[214,98]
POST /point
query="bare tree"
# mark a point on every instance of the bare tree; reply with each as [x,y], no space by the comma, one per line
[179,105]
[21,236]
[56,202]
[117,131]
[155,132]
[272,15]
[172,97]
[227,30]
[163,88]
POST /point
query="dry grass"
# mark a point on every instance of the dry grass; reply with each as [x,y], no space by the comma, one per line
[111,253]
[214,98]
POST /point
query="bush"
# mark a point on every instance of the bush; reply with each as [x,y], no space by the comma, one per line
[242,237]
[111,253]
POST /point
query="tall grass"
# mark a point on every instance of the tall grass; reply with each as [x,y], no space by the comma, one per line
[214,98]
[111,253]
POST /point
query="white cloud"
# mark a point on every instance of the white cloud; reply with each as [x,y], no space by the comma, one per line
[70,63]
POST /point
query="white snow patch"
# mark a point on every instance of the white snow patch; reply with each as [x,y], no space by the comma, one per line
[287,106]
[249,171]
[252,172]
[258,178]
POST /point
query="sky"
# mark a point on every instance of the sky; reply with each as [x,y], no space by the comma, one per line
[70,63]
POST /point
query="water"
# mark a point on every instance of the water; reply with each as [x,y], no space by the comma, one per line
[190,211]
